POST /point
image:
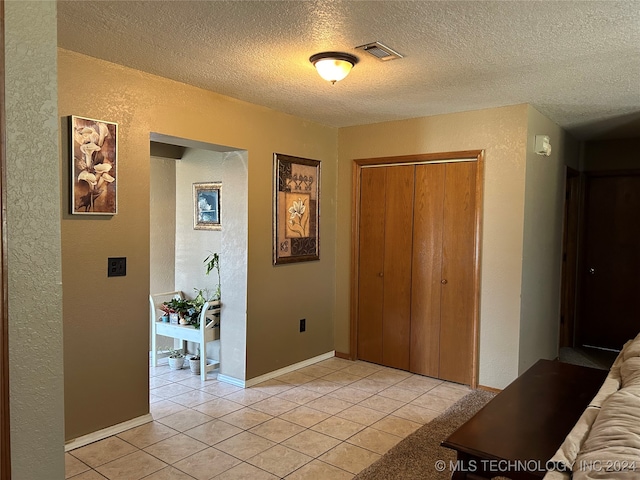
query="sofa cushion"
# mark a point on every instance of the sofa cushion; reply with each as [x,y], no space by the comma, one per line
[612,449]
[630,373]
[631,348]
[567,453]
[570,448]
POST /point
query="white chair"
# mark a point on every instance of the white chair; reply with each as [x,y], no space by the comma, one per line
[206,333]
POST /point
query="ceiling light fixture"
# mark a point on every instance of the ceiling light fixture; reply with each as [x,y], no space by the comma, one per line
[333,66]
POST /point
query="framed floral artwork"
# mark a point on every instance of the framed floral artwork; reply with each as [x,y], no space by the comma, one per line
[296,207]
[94,160]
[206,205]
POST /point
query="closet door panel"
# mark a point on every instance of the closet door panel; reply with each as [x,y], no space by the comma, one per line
[426,269]
[371,265]
[457,308]
[398,213]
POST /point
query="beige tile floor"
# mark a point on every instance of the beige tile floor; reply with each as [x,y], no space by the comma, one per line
[325,421]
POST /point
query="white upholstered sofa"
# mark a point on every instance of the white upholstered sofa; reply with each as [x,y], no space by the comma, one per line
[605,442]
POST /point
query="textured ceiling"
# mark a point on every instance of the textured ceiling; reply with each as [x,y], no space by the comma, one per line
[576,62]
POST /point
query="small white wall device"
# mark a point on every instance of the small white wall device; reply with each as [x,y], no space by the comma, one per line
[543,145]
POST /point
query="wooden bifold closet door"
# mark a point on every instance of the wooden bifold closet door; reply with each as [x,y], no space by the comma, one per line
[385,252]
[416,268]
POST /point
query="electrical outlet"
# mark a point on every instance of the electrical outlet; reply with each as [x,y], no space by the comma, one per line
[303,324]
[117,267]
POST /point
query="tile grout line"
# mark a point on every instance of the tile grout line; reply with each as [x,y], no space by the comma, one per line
[342,441]
[176,379]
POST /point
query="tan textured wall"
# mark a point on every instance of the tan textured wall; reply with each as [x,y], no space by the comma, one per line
[105,319]
[501,132]
[33,234]
[542,247]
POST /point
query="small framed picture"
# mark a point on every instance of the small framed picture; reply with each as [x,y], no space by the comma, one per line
[206,204]
[94,166]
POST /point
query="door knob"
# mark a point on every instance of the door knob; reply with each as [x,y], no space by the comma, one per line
[443,281]
[592,271]
[381,274]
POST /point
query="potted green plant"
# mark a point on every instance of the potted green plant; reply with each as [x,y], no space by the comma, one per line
[194,363]
[167,311]
[212,262]
[176,359]
[179,307]
[188,311]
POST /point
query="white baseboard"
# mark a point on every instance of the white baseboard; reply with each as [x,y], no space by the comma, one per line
[107,432]
[231,380]
[276,373]
[136,422]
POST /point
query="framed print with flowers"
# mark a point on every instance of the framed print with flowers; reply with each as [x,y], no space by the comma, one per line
[94,158]
[296,209]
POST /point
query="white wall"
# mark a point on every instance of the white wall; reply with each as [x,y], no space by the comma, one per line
[193,246]
[233,264]
[33,238]
[542,242]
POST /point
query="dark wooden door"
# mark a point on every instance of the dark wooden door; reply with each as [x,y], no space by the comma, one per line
[610,276]
[569,258]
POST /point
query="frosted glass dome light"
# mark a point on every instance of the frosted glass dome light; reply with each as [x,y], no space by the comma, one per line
[333,66]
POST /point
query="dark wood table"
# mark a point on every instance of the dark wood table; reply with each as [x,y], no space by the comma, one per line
[518,431]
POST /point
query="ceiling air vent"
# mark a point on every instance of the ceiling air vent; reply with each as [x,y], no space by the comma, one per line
[380,51]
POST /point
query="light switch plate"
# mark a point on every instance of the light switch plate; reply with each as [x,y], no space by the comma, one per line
[117,267]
